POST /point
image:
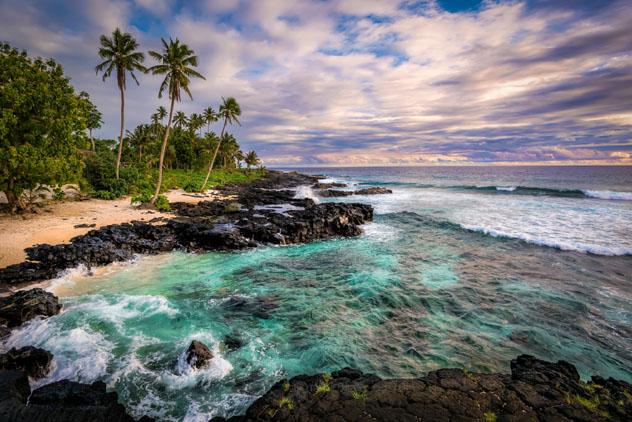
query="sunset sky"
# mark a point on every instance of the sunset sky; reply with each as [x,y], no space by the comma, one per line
[364,82]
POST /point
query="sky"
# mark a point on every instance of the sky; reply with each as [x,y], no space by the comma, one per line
[371,82]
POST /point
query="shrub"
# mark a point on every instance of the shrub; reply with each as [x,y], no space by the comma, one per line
[192,186]
[142,198]
[284,401]
[162,203]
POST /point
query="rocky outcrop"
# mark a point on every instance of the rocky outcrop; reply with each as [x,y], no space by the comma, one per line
[535,390]
[328,185]
[60,401]
[25,305]
[372,191]
[198,355]
[263,212]
[331,193]
[33,361]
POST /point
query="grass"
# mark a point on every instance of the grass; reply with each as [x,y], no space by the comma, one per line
[194,179]
[323,388]
[284,401]
[489,417]
[591,404]
[359,395]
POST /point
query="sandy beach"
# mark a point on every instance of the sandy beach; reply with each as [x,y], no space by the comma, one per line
[56,223]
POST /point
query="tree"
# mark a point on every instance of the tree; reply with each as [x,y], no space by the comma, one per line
[252,159]
[229,111]
[196,122]
[94,118]
[176,62]
[119,54]
[209,116]
[180,119]
[42,123]
[140,138]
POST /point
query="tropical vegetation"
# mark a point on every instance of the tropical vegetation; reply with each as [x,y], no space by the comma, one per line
[47,130]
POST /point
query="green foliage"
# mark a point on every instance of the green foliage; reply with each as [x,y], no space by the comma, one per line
[42,124]
[323,388]
[286,386]
[162,203]
[252,159]
[327,377]
[58,193]
[489,417]
[284,401]
[141,198]
[192,186]
[359,395]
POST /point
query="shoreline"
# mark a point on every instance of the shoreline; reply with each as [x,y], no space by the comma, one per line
[535,388]
[56,223]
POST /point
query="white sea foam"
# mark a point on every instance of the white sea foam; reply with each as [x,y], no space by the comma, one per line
[380,232]
[563,245]
[305,191]
[79,354]
[506,188]
[609,195]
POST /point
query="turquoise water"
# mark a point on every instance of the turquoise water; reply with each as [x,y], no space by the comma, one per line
[416,292]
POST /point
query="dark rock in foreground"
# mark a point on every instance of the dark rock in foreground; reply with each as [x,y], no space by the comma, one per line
[198,354]
[25,305]
[60,401]
[535,390]
[267,214]
[33,361]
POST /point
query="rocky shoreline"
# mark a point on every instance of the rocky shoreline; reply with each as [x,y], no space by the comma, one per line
[267,212]
[262,212]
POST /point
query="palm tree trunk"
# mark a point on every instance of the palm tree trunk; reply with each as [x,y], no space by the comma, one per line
[162,152]
[92,140]
[210,167]
[120,148]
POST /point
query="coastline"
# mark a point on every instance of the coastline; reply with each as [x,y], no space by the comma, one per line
[535,388]
[57,223]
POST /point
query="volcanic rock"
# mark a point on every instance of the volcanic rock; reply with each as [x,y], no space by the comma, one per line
[373,191]
[198,354]
[25,305]
[32,360]
[536,390]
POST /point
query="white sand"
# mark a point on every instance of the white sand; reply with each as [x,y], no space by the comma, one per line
[55,223]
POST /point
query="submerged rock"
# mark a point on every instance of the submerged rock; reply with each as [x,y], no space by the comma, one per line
[25,305]
[33,361]
[373,191]
[60,401]
[198,354]
[535,390]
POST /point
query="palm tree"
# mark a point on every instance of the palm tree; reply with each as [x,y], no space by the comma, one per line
[141,137]
[229,111]
[180,119]
[252,159]
[119,53]
[209,116]
[157,117]
[176,62]
[239,157]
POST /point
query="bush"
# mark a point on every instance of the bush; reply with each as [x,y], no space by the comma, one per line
[100,174]
[142,198]
[192,186]
[162,203]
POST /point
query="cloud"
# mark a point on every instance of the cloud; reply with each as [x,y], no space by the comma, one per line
[356,82]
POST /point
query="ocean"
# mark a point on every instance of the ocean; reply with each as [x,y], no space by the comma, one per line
[461,267]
